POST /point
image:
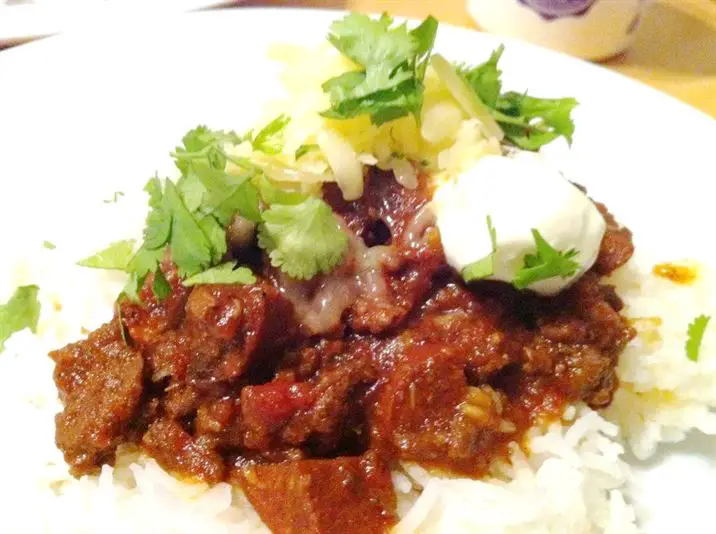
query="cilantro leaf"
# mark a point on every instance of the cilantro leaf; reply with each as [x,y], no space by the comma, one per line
[547,263]
[191,188]
[303,239]
[275,195]
[191,250]
[160,285]
[393,62]
[269,140]
[203,143]
[226,273]
[532,122]
[696,332]
[132,288]
[485,78]
[115,198]
[486,266]
[20,312]
[226,194]
[216,234]
[424,36]
[368,41]
[116,256]
[528,122]
[305,149]
[145,261]
[49,245]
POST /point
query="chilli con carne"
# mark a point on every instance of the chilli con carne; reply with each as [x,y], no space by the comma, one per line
[306,394]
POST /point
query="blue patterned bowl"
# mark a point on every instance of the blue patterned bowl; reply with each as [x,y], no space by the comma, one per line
[592,29]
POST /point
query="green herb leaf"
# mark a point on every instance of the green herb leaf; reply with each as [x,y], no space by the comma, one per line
[275,195]
[49,245]
[533,122]
[485,78]
[270,139]
[120,320]
[20,312]
[424,36]
[132,288]
[479,269]
[225,273]
[216,234]
[145,261]
[303,239]
[226,194]
[191,188]
[393,62]
[547,263]
[191,250]
[203,143]
[528,122]
[696,332]
[116,256]
[305,149]
[486,266]
[115,198]
[160,285]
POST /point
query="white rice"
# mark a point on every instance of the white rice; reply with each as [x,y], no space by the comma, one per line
[664,395]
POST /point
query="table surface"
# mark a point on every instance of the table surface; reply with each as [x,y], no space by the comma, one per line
[675,50]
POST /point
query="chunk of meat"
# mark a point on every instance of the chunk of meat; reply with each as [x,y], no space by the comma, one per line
[178,451]
[426,412]
[266,408]
[579,338]
[383,214]
[337,390]
[320,410]
[390,216]
[100,384]
[147,321]
[226,329]
[322,496]
[479,326]
[407,280]
[617,247]
[255,317]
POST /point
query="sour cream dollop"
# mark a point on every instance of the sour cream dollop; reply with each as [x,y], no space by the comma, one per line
[519,193]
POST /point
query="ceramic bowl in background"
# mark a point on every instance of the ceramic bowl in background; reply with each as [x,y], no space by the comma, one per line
[591,29]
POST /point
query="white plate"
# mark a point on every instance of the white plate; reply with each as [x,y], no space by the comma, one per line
[83,115]
[28,19]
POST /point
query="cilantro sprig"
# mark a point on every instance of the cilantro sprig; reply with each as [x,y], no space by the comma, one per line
[188,219]
[547,263]
[20,312]
[303,239]
[695,334]
[392,61]
[226,273]
[486,266]
[528,122]
[115,257]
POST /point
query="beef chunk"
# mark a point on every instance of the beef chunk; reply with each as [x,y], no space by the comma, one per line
[268,407]
[383,214]
[426,411]
[176,450]
[320,410]
[100,384]
[148,320]
[617,247]
[322,496]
